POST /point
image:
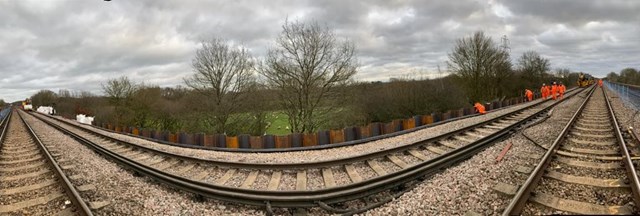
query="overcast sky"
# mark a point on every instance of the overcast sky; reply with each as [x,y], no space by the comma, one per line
[78,44]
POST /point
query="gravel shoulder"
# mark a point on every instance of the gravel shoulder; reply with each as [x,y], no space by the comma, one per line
[468,186]
[627,116]
[130,195]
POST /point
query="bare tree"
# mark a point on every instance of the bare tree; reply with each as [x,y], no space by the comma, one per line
[501,76]
[562,72]
[223,73]
[308,67]
[480,65]
[44,98]
[120,92]
[533,67]
[64,93]
[119,89]
[564,76]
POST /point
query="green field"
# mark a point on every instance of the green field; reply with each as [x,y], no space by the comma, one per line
[279,122]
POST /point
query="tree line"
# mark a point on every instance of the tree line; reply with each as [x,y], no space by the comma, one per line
[308,76]
[485,72]
[628,76]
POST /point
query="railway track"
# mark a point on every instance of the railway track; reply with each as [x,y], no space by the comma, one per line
[304,185]
[31,180]
[324,184]
[587,169]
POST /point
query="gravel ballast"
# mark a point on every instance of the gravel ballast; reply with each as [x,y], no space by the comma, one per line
[315,155]
[340,174]
[609,195]
[16,146]
[130,195]
[468,186]
[627,116]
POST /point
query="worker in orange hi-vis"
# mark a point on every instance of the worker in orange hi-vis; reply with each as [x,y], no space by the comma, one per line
[554,91]
[529,94]
[479,108]
[600,82]
[561,89]
[543,91]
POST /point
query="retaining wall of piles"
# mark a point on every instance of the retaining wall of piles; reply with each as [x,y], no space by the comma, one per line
[297,141]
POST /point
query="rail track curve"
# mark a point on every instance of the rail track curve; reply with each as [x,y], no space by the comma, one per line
[323,184]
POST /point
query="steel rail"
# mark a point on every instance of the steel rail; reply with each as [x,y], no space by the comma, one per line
[517,204]
[307,148]
[4,124]
[313,198]
[626,158]
[305,165]
[73,195]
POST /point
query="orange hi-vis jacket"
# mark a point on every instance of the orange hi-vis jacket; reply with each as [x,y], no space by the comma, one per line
[554,91]
[479,108]
[529,94]
[544,91]
[600,83]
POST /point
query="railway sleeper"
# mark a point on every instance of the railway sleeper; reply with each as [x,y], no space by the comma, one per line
[399,189]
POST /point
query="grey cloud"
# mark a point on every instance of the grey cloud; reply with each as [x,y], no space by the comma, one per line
[576,12]
[78,44]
